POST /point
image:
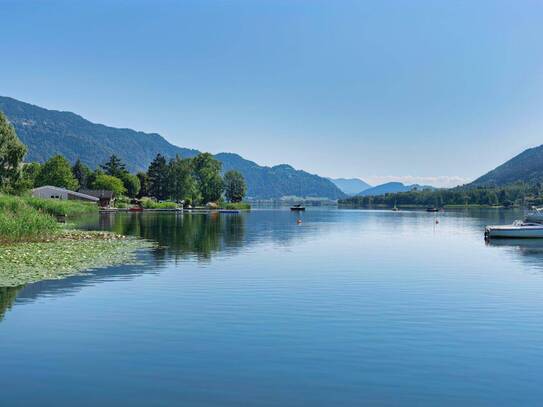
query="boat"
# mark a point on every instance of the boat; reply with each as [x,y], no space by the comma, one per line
[518,230]
[536,215]
[135,209]
[432,209]
[395,209]
[228,211]
[298,207]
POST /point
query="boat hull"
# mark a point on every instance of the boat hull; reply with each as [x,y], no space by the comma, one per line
[514,232]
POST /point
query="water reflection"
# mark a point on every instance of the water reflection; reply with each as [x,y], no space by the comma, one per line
[529,251]
[7,299]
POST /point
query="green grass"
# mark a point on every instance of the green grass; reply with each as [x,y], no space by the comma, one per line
[58,207]
[237,205]
[21,222]
[151,204]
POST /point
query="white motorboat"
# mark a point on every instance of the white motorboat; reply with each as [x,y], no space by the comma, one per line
[518,229]
[536,215]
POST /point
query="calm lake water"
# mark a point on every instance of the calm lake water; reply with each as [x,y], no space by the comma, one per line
[349,308]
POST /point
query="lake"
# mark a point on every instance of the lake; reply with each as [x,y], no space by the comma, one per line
[348,308]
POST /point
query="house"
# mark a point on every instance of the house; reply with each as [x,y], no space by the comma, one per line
[105,198]
[50,192]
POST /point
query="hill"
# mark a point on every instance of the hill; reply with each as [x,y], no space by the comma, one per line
[350,186]
[525,167]
[49,132]
[393,187]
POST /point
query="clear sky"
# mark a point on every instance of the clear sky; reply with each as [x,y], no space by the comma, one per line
[419,91]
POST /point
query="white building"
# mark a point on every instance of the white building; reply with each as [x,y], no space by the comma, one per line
[49,192]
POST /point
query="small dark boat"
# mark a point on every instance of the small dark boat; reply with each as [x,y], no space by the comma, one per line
[432,209]
[298,207]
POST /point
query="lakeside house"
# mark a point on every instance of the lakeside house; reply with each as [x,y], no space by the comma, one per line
[51,192]
[104,197]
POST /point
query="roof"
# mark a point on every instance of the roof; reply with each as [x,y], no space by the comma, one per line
[99,193]
[67,191]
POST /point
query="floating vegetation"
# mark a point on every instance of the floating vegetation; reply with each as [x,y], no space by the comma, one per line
[69,253]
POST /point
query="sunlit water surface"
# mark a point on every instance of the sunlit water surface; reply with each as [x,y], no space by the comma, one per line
[347,308]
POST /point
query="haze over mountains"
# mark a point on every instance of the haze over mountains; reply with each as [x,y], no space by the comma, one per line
[49,132]
[351,186]
[393,187]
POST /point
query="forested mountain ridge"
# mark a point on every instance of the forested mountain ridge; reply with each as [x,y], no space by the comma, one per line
[49,132]
[524,167]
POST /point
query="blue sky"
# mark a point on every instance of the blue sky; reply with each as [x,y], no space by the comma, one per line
[419,91]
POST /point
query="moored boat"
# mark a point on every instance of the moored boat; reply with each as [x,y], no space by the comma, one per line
[298,207]
[432,209]
[517,230]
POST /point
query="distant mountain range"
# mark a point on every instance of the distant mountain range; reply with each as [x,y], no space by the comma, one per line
[350,186]
[525,167]
[392,187]
[49,132]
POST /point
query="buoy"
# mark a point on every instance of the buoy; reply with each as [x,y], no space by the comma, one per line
[298,221]
[437,221]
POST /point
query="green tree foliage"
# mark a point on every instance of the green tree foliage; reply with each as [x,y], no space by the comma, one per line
[12,152]
[207,173]
[158,177]
[81,173]
[57,172]
[181,185]
[513,194]
[132,184]
[114,167]
[110,183]
[144,184]
[27,180]
[234,186]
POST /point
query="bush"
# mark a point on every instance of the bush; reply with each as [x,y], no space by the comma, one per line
[236,205]
[148,203]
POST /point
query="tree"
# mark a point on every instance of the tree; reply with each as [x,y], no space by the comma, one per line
[57,172]
[234,186]
[12,152]
[110,183]
[144,184]
[207,172]
[81,173]
[181,184]
[27,180]
[132,184]
[115,167]
[158,177]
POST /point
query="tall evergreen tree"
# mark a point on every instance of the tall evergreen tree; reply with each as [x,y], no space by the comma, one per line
[81,173]
[158,177]
[144,184]
[12,152]
[114,167]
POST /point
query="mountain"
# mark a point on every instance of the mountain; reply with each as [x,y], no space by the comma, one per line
[525,167]
[392,187]
[49,132]
[350,186]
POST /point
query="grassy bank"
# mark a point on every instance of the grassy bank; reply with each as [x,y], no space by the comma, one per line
[57,207]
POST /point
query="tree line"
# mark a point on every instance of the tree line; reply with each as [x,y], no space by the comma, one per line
[194,180]
[516,194]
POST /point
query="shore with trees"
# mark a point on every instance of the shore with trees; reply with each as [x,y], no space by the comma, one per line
[35,246]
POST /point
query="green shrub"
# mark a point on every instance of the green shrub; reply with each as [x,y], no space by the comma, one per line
[149,203]
[236,205]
